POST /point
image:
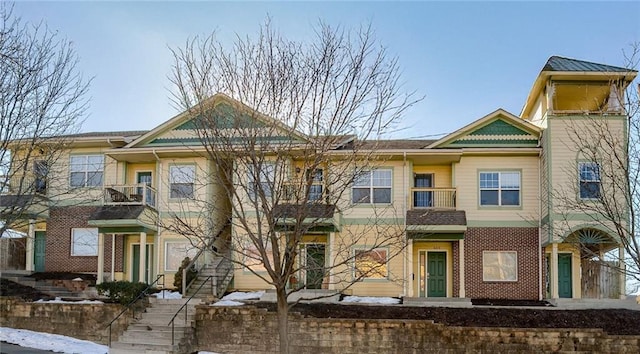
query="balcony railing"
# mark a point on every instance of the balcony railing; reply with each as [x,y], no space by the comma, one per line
[437,198]
[25,185]
[137,194]
[292,192]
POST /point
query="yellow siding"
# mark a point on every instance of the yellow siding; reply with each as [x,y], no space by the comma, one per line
[441,174]
[432,246]
[467,183]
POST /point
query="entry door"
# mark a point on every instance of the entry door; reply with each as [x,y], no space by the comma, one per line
[135,264]
[314,265]
[144,177]
[432,274]
[39,251]
[564,275]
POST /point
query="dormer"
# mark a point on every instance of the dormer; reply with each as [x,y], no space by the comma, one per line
[575,87]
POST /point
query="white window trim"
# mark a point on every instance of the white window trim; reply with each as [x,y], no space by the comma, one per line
[193,181]
[166,253]
[73,242]
[500,189]
[580,180]
[267,186]
[371,187]
[484,275]
[86,171]
[355,269]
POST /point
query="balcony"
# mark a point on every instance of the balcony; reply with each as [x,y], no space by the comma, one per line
[433,198]
[23,185]
[136,194]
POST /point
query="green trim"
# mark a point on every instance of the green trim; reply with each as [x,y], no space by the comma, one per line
[312,229]
[425,236]
[548,153]
[199,142]
[372,220]
[124,230]
[121,224]
[77,202]
[499,127]
[498,143]
[499,207]
[502,223]
[437,228]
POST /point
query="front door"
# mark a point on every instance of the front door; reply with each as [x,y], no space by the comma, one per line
[432,274]
[135,264]
[314,265]
[39,251]
[565,283]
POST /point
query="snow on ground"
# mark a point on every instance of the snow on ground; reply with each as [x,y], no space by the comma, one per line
[58,300]
[166,294]
[234,298]
[372,300]
[48,341]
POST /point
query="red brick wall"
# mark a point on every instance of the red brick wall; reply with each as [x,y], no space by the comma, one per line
[523,240]
[455,246]
[58,242]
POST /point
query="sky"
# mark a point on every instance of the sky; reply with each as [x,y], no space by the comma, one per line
[466,58]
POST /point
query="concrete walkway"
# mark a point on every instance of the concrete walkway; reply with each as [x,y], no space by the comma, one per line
[7,348]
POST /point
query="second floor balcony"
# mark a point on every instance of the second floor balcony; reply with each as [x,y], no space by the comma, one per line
[134,194]
[433,198]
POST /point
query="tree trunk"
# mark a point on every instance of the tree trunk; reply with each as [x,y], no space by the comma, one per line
[283,320]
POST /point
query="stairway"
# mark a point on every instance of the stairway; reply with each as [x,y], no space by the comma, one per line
[45,286]
[221,271]
[151,332]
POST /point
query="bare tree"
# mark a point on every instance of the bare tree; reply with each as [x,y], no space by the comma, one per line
[609,188]
[293,135]
[41,96]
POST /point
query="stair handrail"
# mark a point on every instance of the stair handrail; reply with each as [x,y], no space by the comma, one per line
[208,245]
[186,311]
[130,304]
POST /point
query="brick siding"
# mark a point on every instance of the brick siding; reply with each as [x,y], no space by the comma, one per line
[58,256]
[523,240]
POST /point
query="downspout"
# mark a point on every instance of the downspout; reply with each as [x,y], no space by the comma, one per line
[540,253]
[404,218]
[157,239]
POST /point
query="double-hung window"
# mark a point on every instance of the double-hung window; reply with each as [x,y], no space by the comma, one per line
[86,171]
[370,263]
[260,182]
[500,188]
[315,189]
[84,242]
[589,180]
[181,181]
[372,187]
[499,266]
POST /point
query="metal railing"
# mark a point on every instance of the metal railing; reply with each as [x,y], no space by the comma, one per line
[134,194]
[206,247]
[437,198]
[186,311]
[130,304]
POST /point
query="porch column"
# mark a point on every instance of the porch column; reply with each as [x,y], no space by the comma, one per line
[113,257]
[100,277]
[143,258]
[31,237]
[410,274]
[553,271]
[331,285]
[623,272]
[461,268]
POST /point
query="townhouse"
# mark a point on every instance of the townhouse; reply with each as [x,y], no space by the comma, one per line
[478,210]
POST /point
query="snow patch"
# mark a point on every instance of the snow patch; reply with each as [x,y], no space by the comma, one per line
[48,341]
[227,303]
[371,300]
[240,295]
[166,294]
[58,300]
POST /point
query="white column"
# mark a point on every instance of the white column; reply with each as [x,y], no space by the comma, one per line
[31,237]
[553,271]
[623,273]
[143,257]
[331,260]
[100,277]
[410,273]
[461,268]
[113,257]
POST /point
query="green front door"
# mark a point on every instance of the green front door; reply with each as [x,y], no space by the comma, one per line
[39,251]
[135,264]
[314,265]
[436,274]
[564,275]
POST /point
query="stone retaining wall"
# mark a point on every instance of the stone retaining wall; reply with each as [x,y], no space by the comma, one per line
[83,321]
[252,330]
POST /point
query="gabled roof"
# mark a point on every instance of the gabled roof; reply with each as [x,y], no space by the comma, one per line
[182,123]
[557,63]
[497,129]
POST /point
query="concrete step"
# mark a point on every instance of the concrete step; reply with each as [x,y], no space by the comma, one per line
[125,348]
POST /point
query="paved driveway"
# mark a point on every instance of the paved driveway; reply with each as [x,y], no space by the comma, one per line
[6,348]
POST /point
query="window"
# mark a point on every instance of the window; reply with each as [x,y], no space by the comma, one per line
[253,260]
[175,252]
[181,180]
[315,190]
[265,179]
[500,188]
[5,162]
[589,180]
[423,198]
[86,171]
[84,242]
[40,172]
[370,264]
[500,266]
[372,187]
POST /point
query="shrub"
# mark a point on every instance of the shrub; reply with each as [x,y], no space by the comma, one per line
[192,273]
[121,291]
